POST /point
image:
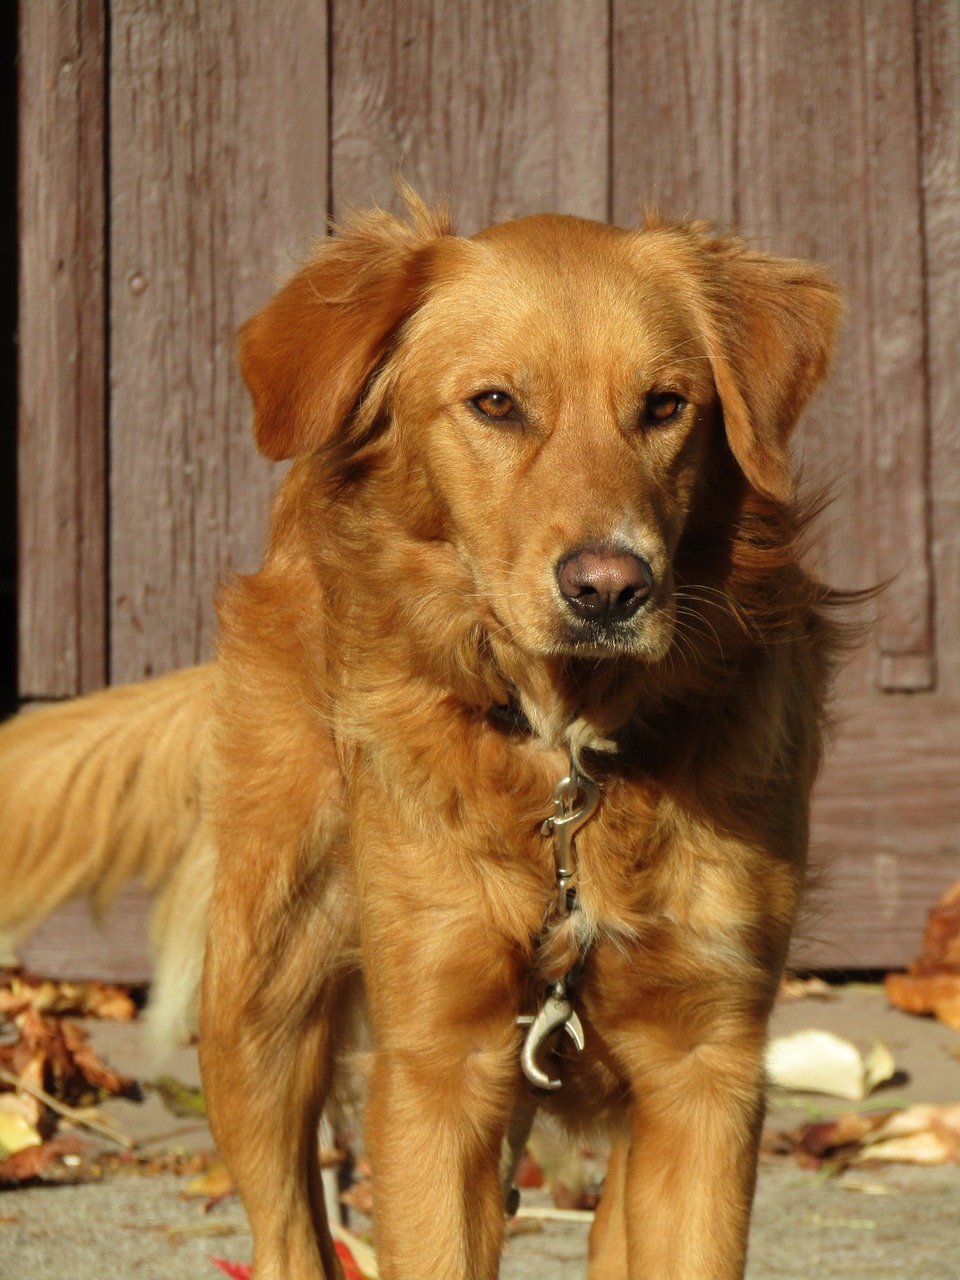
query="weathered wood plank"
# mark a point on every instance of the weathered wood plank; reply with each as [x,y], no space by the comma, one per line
[802,142]
[61,349]
[897,327]
[939,29]
[71,944]
[500,107]
[674,110]
[749,114]
[886,831]
[219,183]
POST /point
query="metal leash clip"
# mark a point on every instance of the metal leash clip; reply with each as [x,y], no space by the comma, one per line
[574,800]
[555,1014]
[567,819]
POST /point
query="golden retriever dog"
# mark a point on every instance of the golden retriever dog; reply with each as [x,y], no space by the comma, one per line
[512,737]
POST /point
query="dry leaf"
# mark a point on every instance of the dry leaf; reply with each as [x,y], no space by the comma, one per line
[820,1062]
[183,1100]
[924,1134]
[44,1163]
[805,989]
[21,991]
[213,1184]
[932,983]
[934,993]
[16,1133]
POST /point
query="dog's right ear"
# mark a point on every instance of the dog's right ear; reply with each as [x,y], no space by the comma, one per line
[308,354]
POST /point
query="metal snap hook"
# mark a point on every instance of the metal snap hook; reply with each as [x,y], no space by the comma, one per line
[555,1014]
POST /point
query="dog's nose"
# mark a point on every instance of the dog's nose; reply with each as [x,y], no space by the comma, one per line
[604,584]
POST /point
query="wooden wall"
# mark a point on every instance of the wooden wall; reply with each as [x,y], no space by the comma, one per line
[178,158]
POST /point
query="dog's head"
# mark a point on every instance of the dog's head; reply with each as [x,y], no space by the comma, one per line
[568,398]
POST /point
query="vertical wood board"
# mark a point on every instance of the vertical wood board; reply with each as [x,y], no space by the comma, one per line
[886,831]
[61,350]
[674,110]
[804,192]
[500,107]
[219,183]
[898,332]
[939,29]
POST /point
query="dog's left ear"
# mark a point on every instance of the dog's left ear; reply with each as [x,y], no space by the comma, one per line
[307,356]
[774,324]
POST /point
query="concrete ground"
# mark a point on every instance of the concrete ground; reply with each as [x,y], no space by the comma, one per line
[889,1221]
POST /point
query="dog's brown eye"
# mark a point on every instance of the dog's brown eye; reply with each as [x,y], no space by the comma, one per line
[663,406]
[494,404]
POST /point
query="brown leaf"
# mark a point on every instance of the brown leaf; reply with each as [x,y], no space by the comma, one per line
[92,1068]
[21,991]
[932,993]
[932,983]
[213,1184]
[826,1137]
[43,1163]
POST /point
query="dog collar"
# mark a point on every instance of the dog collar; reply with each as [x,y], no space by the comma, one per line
[511,716]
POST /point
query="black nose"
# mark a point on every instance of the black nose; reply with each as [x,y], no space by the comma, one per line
[604,584]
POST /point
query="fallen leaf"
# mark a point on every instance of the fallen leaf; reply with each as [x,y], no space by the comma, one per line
[934,993]
[931,985]
[805,989]
[184,1100]
[213,1184]
[93,1069]
[345,1252]
[922,1134]
[54,1055]
[815,1061]
[16,1133]
[25,1105]
[21,991]
[236,1270]
[41,1163]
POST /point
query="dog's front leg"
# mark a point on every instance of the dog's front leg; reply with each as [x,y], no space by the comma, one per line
[444,1077]
[689,1173]
[270,1012]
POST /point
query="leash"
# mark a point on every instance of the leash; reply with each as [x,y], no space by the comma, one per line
[575,799]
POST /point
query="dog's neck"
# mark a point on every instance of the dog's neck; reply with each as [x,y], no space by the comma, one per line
[566,704]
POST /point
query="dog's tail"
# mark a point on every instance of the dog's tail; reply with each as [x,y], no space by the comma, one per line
[106,789]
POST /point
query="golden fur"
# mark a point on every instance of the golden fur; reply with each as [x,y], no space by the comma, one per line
[378,830]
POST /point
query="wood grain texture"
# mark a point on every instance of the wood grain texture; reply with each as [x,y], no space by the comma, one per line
[61,350]
[218,185]
[886,831]
[501,107]
[675,110]
[802,141]
[71,944]
[751,114]
[939,30]
[898,333]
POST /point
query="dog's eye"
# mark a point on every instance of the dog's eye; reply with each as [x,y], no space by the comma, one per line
[662,406]
[494,404]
